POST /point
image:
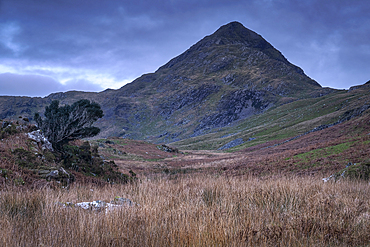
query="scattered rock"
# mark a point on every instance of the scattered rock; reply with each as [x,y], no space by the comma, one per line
[99,205]
[5,124]
[38,137]
[167,149]
[59,175]
[239,104]
[161,135]
[351,171]
[96,205]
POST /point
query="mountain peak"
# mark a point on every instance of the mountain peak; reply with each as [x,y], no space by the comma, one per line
[235,32]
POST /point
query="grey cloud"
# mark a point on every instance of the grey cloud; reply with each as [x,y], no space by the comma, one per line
[81,85]
[39,86]
[27,85]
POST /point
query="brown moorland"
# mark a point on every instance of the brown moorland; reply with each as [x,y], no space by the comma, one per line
[266,195]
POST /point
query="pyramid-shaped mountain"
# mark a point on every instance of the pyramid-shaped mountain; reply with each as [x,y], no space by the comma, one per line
[237,56]
[224,78]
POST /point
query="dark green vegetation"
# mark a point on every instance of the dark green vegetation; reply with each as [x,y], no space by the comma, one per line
[29,162]
[62,124]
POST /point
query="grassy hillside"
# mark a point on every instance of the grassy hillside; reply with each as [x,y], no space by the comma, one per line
[286,121]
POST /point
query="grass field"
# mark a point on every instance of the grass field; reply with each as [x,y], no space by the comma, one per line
[200,210]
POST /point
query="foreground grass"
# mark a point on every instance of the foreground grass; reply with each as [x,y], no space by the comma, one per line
[193,211]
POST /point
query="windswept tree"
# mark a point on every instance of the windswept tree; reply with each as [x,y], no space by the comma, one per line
[69,122]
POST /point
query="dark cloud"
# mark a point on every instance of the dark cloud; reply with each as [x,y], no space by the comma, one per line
[113,42]
[27,85]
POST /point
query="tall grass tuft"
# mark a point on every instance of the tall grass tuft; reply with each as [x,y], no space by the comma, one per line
[194,210]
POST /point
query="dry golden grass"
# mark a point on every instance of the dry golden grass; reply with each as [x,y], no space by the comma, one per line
[202,210]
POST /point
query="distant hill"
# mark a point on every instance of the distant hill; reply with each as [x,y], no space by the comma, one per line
[225,81]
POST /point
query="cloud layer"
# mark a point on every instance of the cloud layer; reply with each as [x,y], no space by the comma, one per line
[40,86]
[92,45]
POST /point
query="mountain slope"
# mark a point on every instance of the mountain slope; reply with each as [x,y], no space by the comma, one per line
[288,122]
[220,81]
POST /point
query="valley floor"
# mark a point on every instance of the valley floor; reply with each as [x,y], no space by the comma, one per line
[318,154]
[270,194]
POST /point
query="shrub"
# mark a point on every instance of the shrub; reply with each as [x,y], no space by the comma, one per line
[25,158]
[62,124]
[85,159]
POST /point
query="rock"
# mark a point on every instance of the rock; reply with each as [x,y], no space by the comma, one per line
[352,171]
[99,205]
[53,174]
[332,177]
[167,149]
[190,98]
[239,104]
[5,124]
[232,144]
[122,201]
[57,174]
[38,137]
[94,205]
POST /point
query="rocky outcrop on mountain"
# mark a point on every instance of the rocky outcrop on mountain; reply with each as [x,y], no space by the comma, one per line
[236,105]
[191,97]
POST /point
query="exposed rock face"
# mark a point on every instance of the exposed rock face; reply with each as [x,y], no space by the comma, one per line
[237,105]
[225,77]
[38,137]
[191,97]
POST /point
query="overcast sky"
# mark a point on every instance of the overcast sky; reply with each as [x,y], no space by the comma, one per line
[58,45]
